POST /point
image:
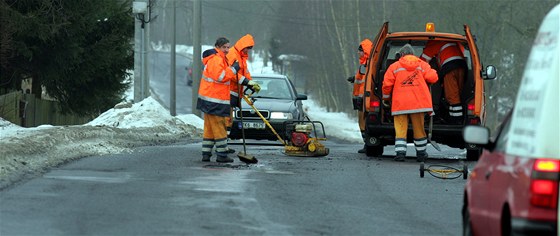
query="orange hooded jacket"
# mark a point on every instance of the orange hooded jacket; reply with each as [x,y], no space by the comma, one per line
[213,93]
[359,81]
[236,54]
[406,80]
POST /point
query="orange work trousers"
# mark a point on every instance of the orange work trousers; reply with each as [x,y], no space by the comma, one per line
[453,85]
[215,133]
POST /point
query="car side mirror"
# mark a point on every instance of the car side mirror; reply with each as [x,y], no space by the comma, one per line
[490,73]
[301,97]
[476,134]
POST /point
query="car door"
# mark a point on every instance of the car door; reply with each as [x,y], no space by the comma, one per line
[490,183]
[499,177]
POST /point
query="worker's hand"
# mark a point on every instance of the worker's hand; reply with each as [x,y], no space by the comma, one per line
[235,66]
[254,86]
[386,103]
[351,79]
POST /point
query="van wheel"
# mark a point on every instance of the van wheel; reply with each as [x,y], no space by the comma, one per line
[374,151]
[473,154]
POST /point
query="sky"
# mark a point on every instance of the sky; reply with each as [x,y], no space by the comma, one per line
[126,126]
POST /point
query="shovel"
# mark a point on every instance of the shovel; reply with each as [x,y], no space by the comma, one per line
[434,144]
[430,126]
[243,156]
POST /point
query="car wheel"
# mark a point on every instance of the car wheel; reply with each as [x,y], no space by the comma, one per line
[374,151]
[473,154]
[467,227]
[506,222]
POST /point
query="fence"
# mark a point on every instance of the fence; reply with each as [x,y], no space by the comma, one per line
[27,111]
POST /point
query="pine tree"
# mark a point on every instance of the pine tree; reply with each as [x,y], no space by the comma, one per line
[79,51]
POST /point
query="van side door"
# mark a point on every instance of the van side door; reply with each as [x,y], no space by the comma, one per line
[373,64]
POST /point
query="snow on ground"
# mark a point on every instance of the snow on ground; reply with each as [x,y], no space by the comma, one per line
[33,150]
[337,124]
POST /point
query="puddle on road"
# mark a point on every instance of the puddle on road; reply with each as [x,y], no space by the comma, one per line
[84,175]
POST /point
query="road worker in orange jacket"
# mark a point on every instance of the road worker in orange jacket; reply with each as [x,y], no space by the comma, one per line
[406,85]
[237,57]
[359,82]
[214,100]
[452,68]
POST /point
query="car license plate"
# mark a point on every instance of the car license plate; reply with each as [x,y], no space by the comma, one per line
[253,125]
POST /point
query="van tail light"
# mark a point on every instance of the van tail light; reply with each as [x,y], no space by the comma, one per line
[470,109]
[374,105]
[544,183]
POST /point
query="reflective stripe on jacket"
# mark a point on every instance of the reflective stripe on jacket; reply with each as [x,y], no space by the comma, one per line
[449,55]
[359,82]
[213,93]
[236,54]
[406,83]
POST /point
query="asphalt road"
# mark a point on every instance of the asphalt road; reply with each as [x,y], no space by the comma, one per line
[167,190]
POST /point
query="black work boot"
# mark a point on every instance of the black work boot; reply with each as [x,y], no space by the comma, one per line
[363,150]
[228,151]
[205,158]
[223,159]
[421,156]
[400,156]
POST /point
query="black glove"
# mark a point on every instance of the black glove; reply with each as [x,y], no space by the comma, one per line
[235,66]
[351,79]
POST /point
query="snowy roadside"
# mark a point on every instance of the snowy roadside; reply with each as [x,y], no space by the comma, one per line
[32,151]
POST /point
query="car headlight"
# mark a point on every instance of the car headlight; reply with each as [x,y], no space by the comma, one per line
[281,115]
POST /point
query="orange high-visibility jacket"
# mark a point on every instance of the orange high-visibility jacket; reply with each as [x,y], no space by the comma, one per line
[449,55]
[213,93]
[359,81]
[236,54]
[406,83]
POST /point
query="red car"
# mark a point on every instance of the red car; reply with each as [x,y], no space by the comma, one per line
[510,195]
[513,189]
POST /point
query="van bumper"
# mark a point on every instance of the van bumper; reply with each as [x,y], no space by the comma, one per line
[450,135]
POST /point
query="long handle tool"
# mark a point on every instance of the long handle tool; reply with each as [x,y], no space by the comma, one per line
[430,127]
[243,156]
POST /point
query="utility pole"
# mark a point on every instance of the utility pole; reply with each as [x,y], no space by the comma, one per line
[172,81]
[145,51]
[197,63]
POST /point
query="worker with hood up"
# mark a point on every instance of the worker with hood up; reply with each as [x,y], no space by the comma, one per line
[237,57]
[359,83]
[406,85]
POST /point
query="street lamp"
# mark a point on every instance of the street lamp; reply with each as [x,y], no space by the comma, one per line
[139,9]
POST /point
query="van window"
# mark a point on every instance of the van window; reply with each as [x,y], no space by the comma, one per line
[393,47]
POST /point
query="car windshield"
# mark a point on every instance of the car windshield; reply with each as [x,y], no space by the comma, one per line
[275,88]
